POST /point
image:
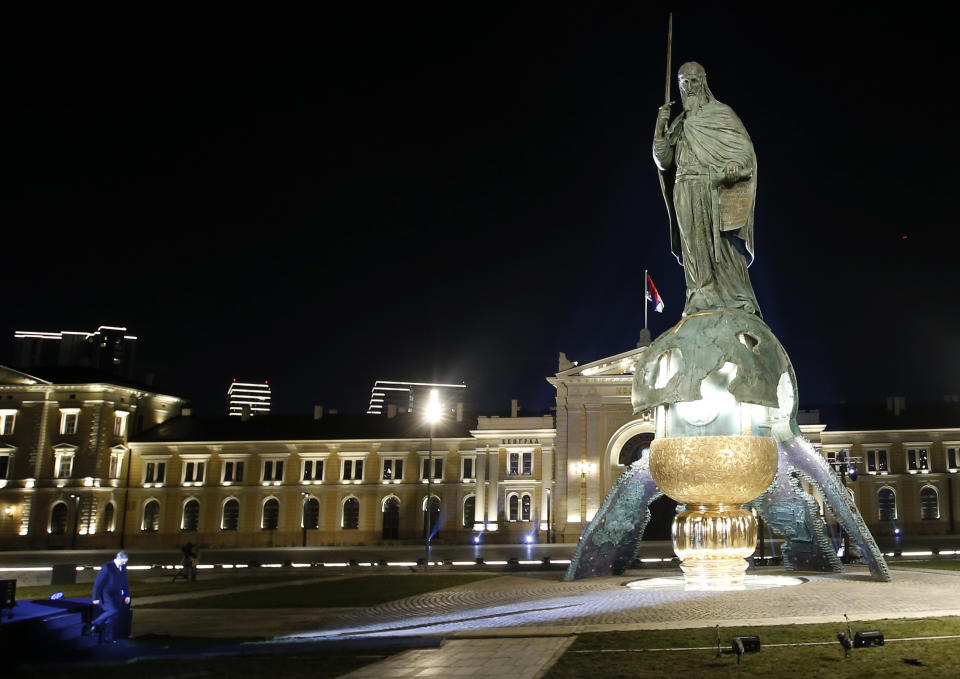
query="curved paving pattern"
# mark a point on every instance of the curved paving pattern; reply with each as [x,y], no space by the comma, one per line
[533,604]
[541,603]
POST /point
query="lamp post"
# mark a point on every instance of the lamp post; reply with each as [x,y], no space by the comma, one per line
[432,415]
[303,517]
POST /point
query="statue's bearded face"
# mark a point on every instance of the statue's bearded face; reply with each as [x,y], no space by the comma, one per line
[691,90]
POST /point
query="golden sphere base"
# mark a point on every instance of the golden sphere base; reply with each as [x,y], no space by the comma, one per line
[712,542]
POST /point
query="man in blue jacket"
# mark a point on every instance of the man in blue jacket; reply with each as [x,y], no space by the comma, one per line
[111,593]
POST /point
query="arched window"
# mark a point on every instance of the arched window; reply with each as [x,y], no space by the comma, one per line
[58,519]
[151,517]
[525,507]
[391,518]
[231,515]
[271,515]
[109,520]
[469,511]
[929,503]
[191,516]
[351,513]
[887,504]
[513,507]
[431,519]
[311,514]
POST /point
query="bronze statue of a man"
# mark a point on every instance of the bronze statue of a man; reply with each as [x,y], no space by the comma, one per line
[708,173]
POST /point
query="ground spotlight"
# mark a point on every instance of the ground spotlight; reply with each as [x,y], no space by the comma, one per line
[476,539]
[873,637]
[528,539]
[746,644]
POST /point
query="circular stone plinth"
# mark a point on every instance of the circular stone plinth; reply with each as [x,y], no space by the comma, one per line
[679,584]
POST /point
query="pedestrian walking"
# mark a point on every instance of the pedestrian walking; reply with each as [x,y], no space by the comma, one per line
[111,596]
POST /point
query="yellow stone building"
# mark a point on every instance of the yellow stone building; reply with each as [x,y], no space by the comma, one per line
[64,453]
[96,463]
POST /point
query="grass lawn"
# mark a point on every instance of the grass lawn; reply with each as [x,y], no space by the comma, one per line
[938,564]
[316,665]
[595,655]
[153,585]
[359,591]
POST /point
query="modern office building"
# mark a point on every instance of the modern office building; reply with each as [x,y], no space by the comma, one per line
[110,349]
[411,397]
[249,398]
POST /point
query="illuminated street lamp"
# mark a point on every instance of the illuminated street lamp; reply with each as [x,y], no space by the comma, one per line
[432,416]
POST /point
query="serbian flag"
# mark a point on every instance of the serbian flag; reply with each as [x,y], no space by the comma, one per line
[653,295]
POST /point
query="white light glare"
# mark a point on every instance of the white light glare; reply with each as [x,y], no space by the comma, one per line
[433,407]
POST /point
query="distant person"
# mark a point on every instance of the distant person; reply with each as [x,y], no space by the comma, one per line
[111,595]
[190,560]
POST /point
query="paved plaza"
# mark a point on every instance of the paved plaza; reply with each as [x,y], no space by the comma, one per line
[516,657]
[539,613]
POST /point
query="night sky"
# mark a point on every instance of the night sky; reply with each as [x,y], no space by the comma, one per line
[456,194]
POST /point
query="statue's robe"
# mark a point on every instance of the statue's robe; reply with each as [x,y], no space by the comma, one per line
[711,223]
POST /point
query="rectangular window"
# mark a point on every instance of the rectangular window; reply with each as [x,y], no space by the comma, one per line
[313,470]
[352,470]
[514,467]
[233,471]
[4,466]
[437,469]
[64,466]
[120,423]
[918,459]
[952,458]
[876,460]
[116,460]
[392,470]
[68,421]
[272,470]
[155,473]
[527,464]
[193,472]
[7,420]
[467,468]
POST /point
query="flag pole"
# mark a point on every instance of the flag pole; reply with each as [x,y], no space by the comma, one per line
[646,298]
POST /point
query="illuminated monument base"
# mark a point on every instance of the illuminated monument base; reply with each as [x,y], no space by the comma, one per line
[713,542]
[727,446]
[748,582]
[714,476]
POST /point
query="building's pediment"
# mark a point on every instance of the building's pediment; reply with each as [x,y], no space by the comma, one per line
[619,364]
[12,377]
